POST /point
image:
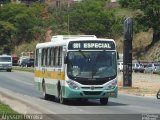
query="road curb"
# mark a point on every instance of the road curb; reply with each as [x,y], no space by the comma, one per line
[20,104]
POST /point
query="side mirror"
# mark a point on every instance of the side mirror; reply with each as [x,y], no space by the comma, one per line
[66,59]
[117,56]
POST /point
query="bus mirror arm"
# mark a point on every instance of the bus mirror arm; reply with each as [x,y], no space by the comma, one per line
[65,59]
[117,55]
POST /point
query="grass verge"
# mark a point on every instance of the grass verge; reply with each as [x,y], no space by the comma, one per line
[6,113]
[5,109]
[27,69]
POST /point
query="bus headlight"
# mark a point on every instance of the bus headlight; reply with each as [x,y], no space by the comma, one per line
[111,85]
[72,85]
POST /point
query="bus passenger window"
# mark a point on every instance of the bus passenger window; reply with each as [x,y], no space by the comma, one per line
[49,60]
[43,53]
[56,56]
[52,56]
[60,56]
[46,57]
[36,57]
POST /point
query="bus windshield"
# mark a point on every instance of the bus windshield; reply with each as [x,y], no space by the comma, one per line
[5,59]
[91,64]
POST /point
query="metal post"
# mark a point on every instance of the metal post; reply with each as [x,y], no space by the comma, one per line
[127,52]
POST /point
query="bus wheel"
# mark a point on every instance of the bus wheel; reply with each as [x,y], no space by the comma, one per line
[9,70]
[85,100]
[104,101]
[82,100]
[158,94]
[45,96]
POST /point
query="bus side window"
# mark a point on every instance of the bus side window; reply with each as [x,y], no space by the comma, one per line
[59,56]
[52,57]
[42,58]
[36,57]
[56,56]
[46,57]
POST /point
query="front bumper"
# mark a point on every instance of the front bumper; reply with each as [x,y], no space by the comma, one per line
[90,94]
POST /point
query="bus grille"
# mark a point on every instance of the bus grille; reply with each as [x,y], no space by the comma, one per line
[94,82]
[92,92]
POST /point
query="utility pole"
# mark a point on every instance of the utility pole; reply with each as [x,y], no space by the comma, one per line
[127,52]
[68,6]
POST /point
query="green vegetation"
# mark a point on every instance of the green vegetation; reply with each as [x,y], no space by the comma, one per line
[21,24]
[92,18]
[18,24]
[27,69]
[5,109]
[6,113]
[147,15]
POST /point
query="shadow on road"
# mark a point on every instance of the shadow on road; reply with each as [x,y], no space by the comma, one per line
[90,102]
[93,103]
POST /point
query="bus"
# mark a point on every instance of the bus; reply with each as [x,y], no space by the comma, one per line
[6,62]
[79,67]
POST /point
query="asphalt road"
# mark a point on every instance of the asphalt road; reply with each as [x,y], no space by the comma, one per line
[124,107]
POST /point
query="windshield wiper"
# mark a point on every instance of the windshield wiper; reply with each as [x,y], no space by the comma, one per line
[82,53]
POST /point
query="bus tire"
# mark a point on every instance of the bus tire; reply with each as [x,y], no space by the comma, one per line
[9,70]
[158,95]
[82,100]
[104,101]
[58,88]
[45,96]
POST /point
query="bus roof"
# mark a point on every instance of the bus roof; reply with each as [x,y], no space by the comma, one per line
[67,37]
[60,40]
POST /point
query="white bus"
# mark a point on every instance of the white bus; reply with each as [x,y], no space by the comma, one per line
[6,62]
[76,67]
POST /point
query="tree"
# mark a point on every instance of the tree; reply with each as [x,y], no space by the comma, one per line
[148,17]
[91,17]
[21,20]
[85,17]
[124,3]
[6,31]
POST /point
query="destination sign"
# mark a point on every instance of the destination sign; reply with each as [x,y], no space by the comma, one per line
[89,45]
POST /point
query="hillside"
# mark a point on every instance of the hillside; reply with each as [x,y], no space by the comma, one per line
[25,47]
[154,53]
[140,42]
